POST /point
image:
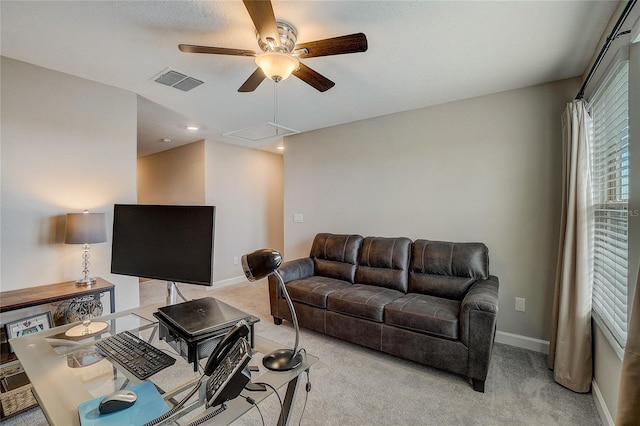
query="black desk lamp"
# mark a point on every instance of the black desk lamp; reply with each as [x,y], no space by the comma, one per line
[261,264]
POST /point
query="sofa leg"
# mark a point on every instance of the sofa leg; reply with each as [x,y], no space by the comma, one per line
[277,321]
[478,385]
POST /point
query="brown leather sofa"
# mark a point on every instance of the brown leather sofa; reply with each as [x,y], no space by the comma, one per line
[432,302]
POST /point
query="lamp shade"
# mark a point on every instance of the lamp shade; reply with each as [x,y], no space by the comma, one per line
[277,66]
[85,228]
[260,263]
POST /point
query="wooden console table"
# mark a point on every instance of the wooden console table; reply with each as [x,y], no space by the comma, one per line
[42,295]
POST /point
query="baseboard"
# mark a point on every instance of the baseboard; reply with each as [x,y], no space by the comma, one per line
[230,281]
[524,342]
[605,416]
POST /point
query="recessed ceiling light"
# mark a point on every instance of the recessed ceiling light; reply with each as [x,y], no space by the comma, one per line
[166,140]
[192,128]
[281,148]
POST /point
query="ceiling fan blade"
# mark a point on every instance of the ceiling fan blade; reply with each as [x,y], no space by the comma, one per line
[261,13]
[189,48]
[253,81]
[313,78]
[334,46]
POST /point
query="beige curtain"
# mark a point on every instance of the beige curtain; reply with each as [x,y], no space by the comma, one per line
[629,396]
[570,350]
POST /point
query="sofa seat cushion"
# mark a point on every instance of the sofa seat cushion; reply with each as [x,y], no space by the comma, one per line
[363,301]
[427,314]
[314,290]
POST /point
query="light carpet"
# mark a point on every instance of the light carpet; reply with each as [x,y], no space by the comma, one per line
[352,385]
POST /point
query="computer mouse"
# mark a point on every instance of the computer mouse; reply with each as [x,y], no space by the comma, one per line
[117,401]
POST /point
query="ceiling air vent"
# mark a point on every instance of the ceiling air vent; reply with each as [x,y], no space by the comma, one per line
[176,79]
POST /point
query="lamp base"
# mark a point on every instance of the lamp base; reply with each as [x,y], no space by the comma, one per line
[86,282]
[282,360]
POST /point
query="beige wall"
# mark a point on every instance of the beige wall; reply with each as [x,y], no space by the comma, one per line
[246,186]
[68,144]
[483,169]
[175,176]
[607,367]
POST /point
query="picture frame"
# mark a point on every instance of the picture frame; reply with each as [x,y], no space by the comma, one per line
[29,325]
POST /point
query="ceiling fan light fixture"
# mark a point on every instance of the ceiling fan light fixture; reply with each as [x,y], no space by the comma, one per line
[278,40]
[277,66]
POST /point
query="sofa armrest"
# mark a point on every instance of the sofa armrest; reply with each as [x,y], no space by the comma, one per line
[296,269]
[289,271]
[482,296]
[478,318]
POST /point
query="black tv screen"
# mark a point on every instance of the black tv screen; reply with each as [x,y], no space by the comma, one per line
[164,242]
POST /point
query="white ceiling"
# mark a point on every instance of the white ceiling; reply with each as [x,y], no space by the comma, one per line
[421,53]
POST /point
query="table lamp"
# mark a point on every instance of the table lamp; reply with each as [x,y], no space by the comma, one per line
[261,264]
[85,228]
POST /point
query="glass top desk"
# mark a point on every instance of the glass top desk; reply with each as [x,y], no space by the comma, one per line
[60,382]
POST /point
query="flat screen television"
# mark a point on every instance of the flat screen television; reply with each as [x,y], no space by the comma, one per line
[164,242]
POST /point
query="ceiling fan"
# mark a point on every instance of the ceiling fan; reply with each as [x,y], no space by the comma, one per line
[280,53]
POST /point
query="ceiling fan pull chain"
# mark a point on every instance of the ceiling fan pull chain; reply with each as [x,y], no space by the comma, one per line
[275,106]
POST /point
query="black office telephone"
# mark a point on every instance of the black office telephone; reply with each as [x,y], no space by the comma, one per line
[227,366]
[227,371]
[238,331]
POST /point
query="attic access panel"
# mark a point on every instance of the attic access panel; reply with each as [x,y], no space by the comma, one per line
[261,132]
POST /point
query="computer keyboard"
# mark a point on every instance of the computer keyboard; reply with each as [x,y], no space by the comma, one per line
[230,376]
[137,356]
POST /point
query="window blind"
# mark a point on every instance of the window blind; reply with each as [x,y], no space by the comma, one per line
[610,186]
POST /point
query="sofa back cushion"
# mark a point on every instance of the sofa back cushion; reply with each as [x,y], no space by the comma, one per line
[445,269]
[336,256]
[384,262]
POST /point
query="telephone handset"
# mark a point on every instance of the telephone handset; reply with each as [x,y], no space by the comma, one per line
[238,331]
[226,379]
[227,367]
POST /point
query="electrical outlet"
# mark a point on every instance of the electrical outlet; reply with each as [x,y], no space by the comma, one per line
[298,218]
[235,260]
[520,304]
